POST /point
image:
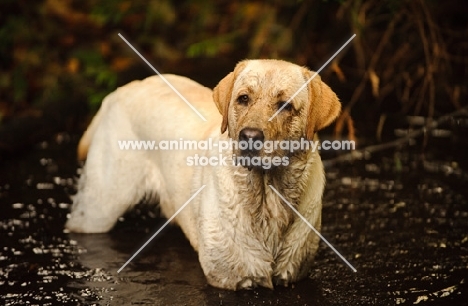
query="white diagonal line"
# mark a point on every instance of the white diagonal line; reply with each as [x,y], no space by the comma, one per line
[163,78]
[311,78]
[313,228]
[162,227]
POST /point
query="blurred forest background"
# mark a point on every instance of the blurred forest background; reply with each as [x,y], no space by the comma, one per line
[59,58]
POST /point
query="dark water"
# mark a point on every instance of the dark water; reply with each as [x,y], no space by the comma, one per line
[400,217]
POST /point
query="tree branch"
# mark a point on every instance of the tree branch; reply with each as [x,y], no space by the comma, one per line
[358,154]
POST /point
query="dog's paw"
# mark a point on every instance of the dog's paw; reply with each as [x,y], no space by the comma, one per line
[286,272]
[253,282]
[246,283]
[283,279]
[81,222]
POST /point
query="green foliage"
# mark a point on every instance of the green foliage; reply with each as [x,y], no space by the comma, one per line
[99,72]
[45,41]
[212,46]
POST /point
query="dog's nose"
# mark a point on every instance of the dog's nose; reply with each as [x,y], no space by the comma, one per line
[251,133]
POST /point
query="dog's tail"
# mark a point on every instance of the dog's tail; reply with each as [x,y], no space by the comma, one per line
[85,140]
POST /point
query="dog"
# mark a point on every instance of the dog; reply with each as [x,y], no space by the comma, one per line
[244,232]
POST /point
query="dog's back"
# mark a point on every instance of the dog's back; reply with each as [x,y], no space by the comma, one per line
[148,111]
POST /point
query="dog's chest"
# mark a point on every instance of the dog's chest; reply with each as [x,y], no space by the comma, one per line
[263,215]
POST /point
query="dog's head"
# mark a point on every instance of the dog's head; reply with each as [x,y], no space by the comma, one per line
[254,92]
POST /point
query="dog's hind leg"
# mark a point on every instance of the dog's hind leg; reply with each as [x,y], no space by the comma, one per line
[105,192]
[113,179]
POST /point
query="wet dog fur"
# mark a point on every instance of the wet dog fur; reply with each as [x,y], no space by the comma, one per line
[244,233]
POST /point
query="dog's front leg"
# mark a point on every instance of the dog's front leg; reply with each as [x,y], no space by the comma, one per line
[235,271]
[230,258]
[298,251]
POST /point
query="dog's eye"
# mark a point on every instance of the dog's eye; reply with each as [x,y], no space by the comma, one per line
[243,99]
[287,106]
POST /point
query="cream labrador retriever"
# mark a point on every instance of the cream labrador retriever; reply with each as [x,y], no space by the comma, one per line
[244,233]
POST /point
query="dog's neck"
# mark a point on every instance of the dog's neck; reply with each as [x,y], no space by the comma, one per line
[262,205]
[267,215]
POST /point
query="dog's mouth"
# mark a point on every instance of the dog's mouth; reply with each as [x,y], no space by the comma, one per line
[252,160]
[249,159]
[250,153]
[254,151]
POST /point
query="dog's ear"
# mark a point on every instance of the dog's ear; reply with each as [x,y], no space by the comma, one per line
[222,93]
[324,105]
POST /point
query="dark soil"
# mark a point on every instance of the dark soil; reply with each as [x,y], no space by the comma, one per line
[400,217]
